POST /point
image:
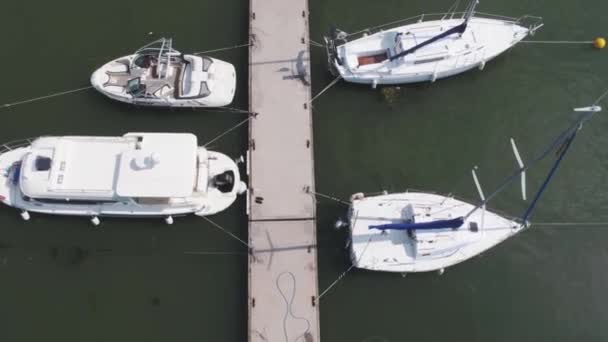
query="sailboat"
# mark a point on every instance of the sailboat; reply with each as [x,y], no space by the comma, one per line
[417,231]
[159,75]
[434,46]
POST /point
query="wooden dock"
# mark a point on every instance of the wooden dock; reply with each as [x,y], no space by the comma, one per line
[283,284]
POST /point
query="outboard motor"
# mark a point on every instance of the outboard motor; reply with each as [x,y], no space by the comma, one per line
[224,182]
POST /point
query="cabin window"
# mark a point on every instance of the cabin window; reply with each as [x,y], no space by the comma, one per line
[204,89]
[42,163]
[428,60]
[16,169]
[71,201]
[152,200]
[144,61]
[207,63]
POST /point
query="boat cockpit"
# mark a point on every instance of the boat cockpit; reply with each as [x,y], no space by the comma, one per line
[224,181]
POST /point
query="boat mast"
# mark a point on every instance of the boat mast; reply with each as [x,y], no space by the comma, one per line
[562,152]
[562,143]
[470,11]
[456,29]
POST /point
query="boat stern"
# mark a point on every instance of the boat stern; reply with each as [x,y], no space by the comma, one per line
[10,174]
[333,40]
[219,182]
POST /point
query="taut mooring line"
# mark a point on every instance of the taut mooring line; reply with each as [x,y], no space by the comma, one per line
[7,105]
[227,232]
[557,41]
[223,49]
[213,253]
[343,274]
[313,43]
[569,224]
[325,89]
[251,116]
[335,199]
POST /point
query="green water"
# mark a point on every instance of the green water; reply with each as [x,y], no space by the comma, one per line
[131,280]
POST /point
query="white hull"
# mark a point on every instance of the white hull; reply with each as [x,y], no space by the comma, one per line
[205,202]
[221,74]
[367,60]
[429,250]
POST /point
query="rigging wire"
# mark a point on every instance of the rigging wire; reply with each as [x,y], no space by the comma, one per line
[7,105]
[564,136]
[599,99]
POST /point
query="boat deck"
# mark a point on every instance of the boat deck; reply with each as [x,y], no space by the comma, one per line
[283,289]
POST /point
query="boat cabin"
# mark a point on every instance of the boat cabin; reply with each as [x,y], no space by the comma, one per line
[144,167]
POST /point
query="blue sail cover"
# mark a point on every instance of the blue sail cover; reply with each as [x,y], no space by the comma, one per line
[456,29]
[442,224]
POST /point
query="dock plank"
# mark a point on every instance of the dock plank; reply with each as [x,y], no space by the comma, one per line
[281,161]
[283,279]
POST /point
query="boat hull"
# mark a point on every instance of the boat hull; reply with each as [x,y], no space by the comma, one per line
[225,76]
[421,251]
[367,60]
[202,204]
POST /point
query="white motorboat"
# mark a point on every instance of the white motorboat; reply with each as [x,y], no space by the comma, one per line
[138,175]
[158,75]
[430,47]
[416,231]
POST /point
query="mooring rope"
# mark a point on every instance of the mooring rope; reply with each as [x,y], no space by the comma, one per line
[308,191]
[331,84]
[213,253]
[343,274]
[6,105]
[289,307]
[557,41]
[224,110]
[223,49]
[227,232]
[313,43]
[251,116]
[570,224]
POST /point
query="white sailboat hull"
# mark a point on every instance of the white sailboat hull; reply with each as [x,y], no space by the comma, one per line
[367,60]
[422,251]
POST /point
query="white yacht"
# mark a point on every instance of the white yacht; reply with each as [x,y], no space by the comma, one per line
[138,174]
[434,46]
[158,75]
[417,231]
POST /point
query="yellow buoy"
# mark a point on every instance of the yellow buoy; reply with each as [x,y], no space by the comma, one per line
[599,43]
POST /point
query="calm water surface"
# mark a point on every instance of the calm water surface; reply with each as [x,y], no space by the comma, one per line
[62,280]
